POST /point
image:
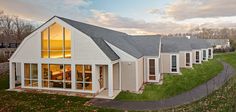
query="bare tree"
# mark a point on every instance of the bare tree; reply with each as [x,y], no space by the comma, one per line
[7,27]
[22,29]
[14,29]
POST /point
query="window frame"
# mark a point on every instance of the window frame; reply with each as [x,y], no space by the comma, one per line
[48,80]
[30,79]
[64,50]
[83,77]
[204,55]
[197,57]
[171,64]
[209,53]
[188,62]
[155,70]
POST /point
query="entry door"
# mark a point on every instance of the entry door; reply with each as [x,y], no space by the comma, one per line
[101,76]
[152,70]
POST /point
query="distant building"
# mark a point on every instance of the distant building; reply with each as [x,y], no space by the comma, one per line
[219,43]
[6,52]
[7,49]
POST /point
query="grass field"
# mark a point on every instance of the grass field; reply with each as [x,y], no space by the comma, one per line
[176,84]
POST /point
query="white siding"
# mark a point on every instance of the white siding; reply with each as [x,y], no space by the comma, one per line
[85,49]
[30,49]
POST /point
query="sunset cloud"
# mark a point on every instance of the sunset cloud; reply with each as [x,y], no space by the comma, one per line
[128,25]
[177,16]
[187,9]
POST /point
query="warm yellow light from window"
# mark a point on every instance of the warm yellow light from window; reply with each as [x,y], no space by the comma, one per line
[59,43]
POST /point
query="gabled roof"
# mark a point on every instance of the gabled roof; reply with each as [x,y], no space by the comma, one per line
[106,49]
[114,37]
[177,44]
[148,45]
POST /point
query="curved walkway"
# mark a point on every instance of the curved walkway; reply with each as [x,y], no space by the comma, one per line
[184,98]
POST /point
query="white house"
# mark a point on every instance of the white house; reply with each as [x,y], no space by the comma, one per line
[66,55]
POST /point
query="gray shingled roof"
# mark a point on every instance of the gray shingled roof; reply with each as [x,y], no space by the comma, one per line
[148,45]
[199,43]
[106,49]
[115,38]
[136,46]
[175,44]
[214,42]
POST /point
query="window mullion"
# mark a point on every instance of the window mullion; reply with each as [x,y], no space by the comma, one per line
[63,80]
[63,50]
[49,77]
[30,75]
[48,42]
[83,77]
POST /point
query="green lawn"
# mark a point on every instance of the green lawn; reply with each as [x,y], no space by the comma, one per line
[229,58]
[222,100]
[176,84]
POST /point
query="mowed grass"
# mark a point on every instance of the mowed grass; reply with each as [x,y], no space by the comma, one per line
[176,84]
[30,102]
[229,58]
[222,100]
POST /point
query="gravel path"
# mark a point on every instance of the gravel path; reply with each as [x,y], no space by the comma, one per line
[184,98]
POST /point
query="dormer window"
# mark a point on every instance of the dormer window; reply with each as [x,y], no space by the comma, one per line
[56,42]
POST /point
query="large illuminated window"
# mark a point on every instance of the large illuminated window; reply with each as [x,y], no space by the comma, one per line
[84,77]
[56,42]
[56,76]
[31,75]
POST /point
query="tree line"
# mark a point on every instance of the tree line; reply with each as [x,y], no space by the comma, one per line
[209,33]
[13,29]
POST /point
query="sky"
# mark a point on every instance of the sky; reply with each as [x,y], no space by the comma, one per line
[135,17]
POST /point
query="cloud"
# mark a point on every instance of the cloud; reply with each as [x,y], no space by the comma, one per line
[77,2]
[154,11]
[187,9]
[42,10]
[133,26]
